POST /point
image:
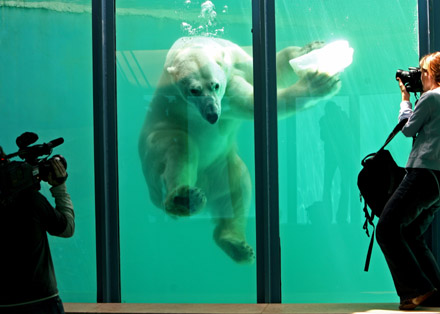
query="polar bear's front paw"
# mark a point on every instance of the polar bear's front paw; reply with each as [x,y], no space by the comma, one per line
[185,201]
[239,250]
[317,84]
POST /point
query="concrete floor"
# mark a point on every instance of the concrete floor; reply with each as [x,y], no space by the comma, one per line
[333,308]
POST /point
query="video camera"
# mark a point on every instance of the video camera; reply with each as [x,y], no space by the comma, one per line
[17,176]
[412,79]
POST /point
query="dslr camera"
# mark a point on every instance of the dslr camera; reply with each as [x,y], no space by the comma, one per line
[17,176]
[412,79]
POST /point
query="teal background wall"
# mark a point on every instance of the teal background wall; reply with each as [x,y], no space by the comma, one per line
[46,87]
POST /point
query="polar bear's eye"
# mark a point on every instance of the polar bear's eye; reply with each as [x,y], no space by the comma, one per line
[217,86]
[195,91]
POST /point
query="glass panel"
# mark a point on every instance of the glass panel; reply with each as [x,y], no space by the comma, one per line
[168,253]
[323,243]
[46,88]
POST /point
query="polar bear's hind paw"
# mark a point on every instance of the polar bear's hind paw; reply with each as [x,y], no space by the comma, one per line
[185,201]
[240,251]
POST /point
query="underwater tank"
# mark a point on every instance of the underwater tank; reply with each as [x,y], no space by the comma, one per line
[46,87]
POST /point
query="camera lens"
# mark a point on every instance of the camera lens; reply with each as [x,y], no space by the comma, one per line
[411,79]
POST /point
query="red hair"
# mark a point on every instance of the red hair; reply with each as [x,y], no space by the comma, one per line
[431,62]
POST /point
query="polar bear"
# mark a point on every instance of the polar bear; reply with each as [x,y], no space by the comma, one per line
[187,144]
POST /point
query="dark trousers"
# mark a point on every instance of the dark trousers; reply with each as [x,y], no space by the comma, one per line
[49,306]
[400,229]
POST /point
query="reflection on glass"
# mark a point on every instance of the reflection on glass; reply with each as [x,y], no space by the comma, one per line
[337,159]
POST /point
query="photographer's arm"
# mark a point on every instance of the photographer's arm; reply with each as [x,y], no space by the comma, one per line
[63,203]
[417,117]
[64,206]
[405,106]
[405,110]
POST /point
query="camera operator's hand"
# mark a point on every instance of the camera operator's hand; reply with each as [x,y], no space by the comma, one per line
[403,91]
[59,174]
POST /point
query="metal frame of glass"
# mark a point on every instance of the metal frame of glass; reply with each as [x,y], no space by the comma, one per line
[266,154]
[106,152]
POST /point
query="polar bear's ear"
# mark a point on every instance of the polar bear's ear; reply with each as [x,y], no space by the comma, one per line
[224,59]
[219,58]
[171,70]
[227,59]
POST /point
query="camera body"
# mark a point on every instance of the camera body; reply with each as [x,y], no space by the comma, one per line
[412,79]
[17,176]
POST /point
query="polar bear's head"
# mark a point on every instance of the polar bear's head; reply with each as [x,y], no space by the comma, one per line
[201,80]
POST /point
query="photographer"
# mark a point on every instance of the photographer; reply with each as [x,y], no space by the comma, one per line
[27,277]
[411,209]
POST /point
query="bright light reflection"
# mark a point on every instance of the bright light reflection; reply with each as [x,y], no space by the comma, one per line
[332,58]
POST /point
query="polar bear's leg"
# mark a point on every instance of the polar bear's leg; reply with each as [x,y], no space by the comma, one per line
[170,163]
[229,233]
[312,87]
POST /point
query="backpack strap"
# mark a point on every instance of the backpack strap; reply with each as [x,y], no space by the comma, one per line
[370,250]
[368,220]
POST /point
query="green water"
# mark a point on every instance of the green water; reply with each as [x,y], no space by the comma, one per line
[46,87]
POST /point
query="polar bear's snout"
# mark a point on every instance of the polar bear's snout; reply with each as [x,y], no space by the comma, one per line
[209,107]
[212,117]
[210,110]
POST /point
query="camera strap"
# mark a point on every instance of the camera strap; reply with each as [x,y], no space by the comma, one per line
[394,132]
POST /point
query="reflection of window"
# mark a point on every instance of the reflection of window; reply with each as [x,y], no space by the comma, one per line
[133,66]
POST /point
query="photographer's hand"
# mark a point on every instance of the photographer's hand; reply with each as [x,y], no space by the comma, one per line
[59,174]
[403,91]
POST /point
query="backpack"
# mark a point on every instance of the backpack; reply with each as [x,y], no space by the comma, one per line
[377,181]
